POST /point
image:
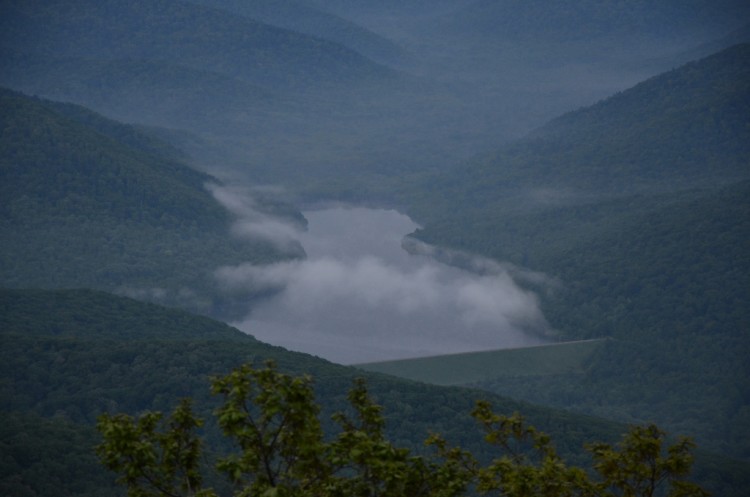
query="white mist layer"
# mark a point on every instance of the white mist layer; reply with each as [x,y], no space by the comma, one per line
[359,297]
[251,222]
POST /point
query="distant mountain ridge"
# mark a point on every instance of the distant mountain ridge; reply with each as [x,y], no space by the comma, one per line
[683,128]
[305,18]
[153,92]
[176,31]
[273,104]
[587,19]
[313,111]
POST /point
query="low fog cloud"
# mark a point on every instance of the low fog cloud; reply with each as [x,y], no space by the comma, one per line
[363,303]
[183,296]
[250,220]
[480,265]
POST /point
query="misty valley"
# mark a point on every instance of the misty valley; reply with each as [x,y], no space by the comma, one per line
[360,297]
[540,205]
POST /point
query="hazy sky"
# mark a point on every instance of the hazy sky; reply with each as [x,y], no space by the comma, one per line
[358,296]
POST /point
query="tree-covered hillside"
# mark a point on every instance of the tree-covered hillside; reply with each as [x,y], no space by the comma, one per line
[87,202]
[683,128]
[639,206]
[71,355]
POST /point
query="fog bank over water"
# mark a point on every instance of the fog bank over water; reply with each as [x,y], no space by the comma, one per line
[359,296]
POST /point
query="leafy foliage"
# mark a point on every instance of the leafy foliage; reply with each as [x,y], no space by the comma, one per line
[165,461]
[639,467]
[279,444]
[273,419]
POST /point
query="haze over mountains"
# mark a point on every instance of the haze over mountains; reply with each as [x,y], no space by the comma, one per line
[595,155]
[285,106]
[303,17]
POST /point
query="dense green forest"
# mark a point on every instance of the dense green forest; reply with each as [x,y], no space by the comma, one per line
[639,206]
[69,356]
[88,202]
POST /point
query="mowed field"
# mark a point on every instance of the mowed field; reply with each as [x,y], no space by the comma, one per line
[459,369]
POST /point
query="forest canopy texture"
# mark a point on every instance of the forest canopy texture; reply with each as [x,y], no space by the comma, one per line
[273,419]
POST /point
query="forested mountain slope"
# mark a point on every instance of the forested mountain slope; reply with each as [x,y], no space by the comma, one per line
[683,128]
[640,206]
[70,355]
[91,202]
[667,276]
[630,165]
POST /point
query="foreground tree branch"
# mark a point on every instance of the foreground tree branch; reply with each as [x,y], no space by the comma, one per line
[273,418]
